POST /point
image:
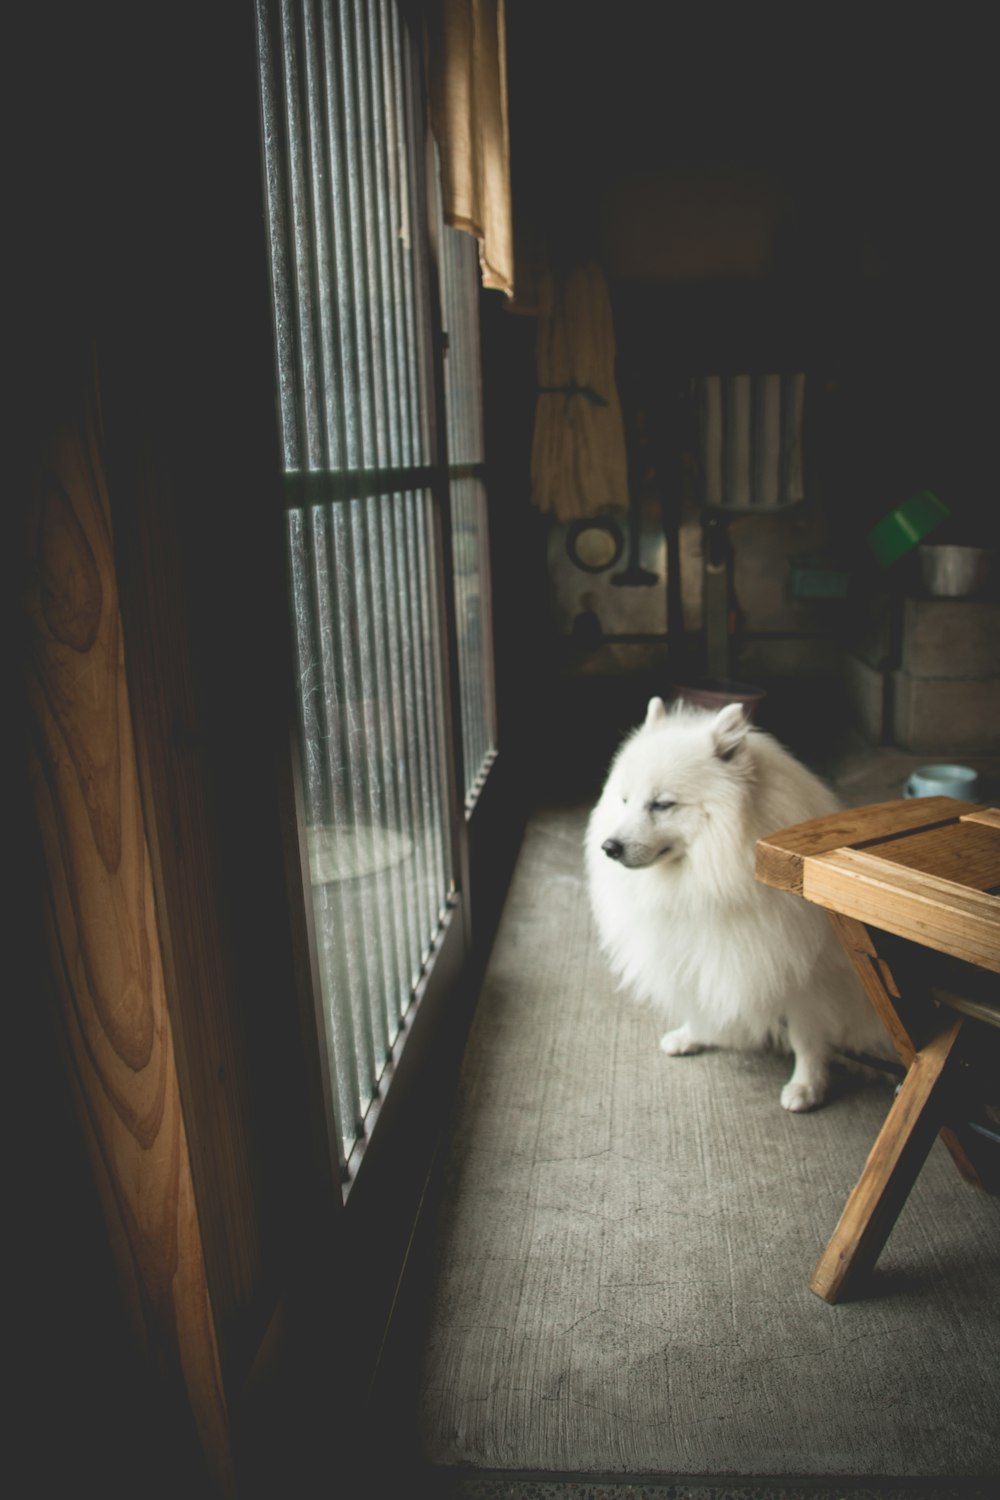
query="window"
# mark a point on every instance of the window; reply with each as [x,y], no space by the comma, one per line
[367,501]
[470,547]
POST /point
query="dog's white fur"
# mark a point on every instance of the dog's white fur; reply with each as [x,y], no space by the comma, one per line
[723,959]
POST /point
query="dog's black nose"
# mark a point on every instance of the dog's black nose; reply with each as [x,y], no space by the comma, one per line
[613,848]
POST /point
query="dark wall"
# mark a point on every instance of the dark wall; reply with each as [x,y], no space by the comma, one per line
[765,187]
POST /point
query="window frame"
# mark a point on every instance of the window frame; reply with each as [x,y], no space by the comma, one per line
[372,1223]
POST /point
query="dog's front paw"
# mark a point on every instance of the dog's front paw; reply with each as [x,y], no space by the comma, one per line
[799,1097]
[680,1043]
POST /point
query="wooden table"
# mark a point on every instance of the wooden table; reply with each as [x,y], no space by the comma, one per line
[913,891]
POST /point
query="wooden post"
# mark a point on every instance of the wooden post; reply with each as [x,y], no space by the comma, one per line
[102,925]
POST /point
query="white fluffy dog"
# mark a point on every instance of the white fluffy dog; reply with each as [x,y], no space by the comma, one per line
[670,852]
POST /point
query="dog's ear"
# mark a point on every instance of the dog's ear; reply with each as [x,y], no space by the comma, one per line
[655,711]
[729,730]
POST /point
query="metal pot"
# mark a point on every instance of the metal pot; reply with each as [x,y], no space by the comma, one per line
[953,572]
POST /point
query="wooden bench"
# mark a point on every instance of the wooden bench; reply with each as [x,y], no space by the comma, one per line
[913,891]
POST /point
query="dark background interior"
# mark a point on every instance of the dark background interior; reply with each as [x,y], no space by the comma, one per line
[766,188]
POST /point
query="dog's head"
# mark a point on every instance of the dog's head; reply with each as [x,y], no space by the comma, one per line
[681,772]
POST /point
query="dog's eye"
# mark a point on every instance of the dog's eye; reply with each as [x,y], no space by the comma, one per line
[662,804]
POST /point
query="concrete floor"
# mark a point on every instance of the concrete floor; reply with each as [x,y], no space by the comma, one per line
[864,773]
[618,1305]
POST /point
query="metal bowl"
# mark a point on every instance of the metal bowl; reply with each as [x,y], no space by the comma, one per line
[954,572]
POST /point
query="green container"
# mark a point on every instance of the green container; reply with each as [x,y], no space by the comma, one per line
[906,526]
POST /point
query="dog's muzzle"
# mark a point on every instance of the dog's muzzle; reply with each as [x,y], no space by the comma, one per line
[637,856]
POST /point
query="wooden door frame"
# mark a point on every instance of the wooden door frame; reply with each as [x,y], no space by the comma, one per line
[149,453]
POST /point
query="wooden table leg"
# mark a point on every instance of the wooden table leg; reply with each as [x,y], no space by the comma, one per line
[908,1023]
[892,1166]
[878,982]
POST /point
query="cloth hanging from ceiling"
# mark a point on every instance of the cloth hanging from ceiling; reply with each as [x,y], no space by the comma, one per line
[467,70]
[578,460]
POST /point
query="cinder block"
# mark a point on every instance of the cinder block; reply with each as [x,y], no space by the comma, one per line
[946,716]
[864,688]
[951,638]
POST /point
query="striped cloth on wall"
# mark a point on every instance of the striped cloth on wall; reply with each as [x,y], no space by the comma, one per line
[751,440]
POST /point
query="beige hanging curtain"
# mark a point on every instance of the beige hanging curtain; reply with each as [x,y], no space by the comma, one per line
[578,460]
[467,66]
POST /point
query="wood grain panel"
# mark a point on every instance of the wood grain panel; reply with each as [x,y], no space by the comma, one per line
[780,854]
[965,852]
[102,923]
[988,815]
[952,919]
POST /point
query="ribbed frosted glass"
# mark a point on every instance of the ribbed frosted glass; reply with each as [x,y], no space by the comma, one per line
[343,152]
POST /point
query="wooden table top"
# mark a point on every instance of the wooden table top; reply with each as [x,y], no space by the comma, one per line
[927,869]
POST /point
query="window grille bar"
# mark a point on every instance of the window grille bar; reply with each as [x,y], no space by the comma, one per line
[410,244]
[430,701]
[324,447]
[378,250]
[388,879]
[368,770]
[342,394]
[419,727]
[354,227]
[360,132]
[393,236]
[407,811]
[418,305]
[276,193]
[381,238]
[418,774]
[308,389]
